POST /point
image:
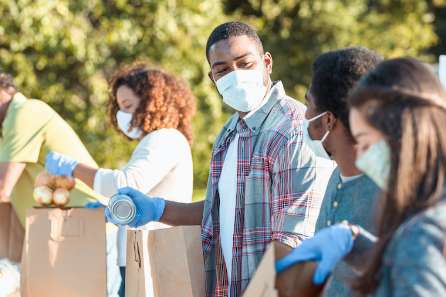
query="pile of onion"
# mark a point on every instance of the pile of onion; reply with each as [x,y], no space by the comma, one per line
[52,190]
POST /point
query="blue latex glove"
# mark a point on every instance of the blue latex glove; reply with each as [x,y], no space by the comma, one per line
[148,209]
[94,204]
[58,164]
[327,247]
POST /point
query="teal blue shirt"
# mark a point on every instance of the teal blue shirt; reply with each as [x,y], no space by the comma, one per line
[353,201]
[414,262]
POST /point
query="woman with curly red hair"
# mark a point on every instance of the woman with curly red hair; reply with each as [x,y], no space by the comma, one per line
[155,108]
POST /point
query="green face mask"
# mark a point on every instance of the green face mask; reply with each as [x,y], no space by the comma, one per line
[375,163]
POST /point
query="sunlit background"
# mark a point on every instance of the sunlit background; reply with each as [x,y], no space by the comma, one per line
[64,51]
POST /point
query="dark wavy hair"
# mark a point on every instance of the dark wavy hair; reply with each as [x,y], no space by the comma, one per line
[166,101]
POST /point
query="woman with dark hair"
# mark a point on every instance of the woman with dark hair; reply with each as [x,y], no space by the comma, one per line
[156,109]
[398,114]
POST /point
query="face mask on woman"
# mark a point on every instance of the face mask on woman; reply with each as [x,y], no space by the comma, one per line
[243,90]
[124,119]
[316,145]
[375,163]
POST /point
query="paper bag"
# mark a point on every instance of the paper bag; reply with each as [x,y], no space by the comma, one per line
[11,233]
[137,282]
[175,263]
[262,283]
[64,253]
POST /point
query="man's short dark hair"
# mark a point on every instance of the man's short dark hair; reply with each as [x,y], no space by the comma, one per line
[7,82]
[233,29]
[335,74]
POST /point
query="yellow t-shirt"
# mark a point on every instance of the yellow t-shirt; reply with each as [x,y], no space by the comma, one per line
[32,128]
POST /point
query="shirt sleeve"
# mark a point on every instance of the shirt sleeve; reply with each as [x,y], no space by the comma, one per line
[23,133]
[297,192]
[418,263]
[154,157]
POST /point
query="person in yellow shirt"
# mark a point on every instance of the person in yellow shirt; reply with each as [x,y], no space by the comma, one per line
[29,129]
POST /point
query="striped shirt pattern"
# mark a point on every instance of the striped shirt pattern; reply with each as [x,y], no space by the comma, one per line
[279,191]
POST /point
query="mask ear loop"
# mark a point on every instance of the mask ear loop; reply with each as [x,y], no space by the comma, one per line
[326,133]
[317,117]
[325,136]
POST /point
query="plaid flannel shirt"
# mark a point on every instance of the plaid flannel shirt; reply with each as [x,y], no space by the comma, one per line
[280,185]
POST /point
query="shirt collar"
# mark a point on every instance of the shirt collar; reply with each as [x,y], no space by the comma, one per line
[17,99]
[256,117]
[264,101]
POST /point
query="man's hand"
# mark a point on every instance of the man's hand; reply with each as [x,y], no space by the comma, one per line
[58,164]
[327,247]
[148,209]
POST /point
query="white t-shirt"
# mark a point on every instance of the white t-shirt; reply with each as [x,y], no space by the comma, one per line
[160,166]
[346,179]
[227,189]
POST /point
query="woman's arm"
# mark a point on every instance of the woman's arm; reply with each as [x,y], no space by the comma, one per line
[153,159]
[85,173]
[417,261]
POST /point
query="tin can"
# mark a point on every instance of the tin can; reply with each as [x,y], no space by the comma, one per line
[122,209]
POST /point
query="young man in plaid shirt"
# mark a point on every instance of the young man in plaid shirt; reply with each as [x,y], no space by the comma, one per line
[265,183]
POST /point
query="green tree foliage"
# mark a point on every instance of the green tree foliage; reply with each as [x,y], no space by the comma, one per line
[438,7]
[297,31]
[64,51]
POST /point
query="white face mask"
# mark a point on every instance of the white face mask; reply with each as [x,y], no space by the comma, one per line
[316,145]
[124,119]
[243,90]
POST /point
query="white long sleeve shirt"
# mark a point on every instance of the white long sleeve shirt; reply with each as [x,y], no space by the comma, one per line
[160,166]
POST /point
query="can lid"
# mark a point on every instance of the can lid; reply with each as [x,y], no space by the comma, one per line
[122,209]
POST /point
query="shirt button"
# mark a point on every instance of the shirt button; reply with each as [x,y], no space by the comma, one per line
[339,186]
[335,204]
[328,223]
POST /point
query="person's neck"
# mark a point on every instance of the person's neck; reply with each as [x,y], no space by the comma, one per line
[345,158]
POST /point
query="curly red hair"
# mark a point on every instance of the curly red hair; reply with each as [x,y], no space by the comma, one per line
[166,101]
